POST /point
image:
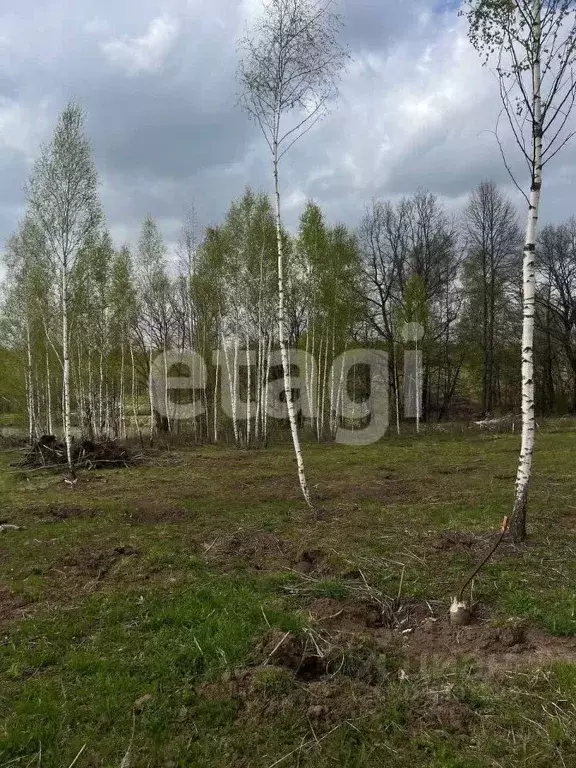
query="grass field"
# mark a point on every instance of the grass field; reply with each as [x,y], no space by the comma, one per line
[193,612]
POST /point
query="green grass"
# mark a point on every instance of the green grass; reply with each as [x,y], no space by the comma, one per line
[130,596]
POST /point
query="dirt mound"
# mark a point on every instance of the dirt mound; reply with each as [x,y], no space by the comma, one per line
[149,512]
[97,564]
[297,652]
[421,632]
[446,714]
[264,692]
[347,615]
[10,604]
[372,613]
[263,550]
[454,540]
[311,655]
[55,512]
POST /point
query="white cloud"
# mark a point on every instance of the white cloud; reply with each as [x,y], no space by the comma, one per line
[22,127]
[416,109]
[143,54]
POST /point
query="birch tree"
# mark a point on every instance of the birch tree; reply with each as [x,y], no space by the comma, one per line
[288,74]
[63,200]
[534,44]
[156,312]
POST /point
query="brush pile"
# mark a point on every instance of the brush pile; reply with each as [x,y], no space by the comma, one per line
[48,452]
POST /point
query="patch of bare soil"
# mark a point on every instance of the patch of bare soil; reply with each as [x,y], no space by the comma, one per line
[150,512]
[465,469]
[421,632]
[263,550]
[11,605]
[266,692]
[475,544]
[511,644]
[355,615]
[96,564]
[444,541]
[384,488]
[445,713]
[55,512]
[298,653]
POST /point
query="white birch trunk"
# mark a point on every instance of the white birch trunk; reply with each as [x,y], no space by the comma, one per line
[91,400]
[216,373]
[324,386]
[306,366]
[332,421]
[107,423]
[319,393]
[150,388]
[520,508]
[121,406]
[48,394]
[266,382]
[29,390]
[134,397]
[258,411]
[417,385]
[66,371]
[313,381]
[282,341]
[231,390]
[248,393]
[396,386]
[237,435]
[166,395]
[101,393]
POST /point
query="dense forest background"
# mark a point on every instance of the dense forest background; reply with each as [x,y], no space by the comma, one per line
[459,275]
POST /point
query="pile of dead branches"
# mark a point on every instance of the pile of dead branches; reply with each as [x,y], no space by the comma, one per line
[49,452]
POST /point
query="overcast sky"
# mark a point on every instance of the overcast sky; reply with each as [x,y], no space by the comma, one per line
[157,80]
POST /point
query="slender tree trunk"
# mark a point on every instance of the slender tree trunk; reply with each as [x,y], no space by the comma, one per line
[396,382]
[266,382]
[29,386]
[319,393]
[166,395]
[282,341]
[237,434]
[484,334]
[417,385]
[231,390]
[66,372]
[91,399]
[134,398]
[491,323]
[121,409]
[332,382]
[48,394]
[248,393]
[216,373]
[259,366]
[150,387]
[324,386]
[520,508]
[101,393]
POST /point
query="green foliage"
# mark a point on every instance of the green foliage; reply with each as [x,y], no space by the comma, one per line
[169,643]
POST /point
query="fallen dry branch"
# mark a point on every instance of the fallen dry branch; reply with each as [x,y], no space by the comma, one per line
[49,453]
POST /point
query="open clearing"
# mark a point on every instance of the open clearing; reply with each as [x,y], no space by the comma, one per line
[192,612]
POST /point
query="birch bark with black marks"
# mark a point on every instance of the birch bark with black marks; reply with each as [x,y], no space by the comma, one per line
[535,44]
[289,70]
[63,202]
